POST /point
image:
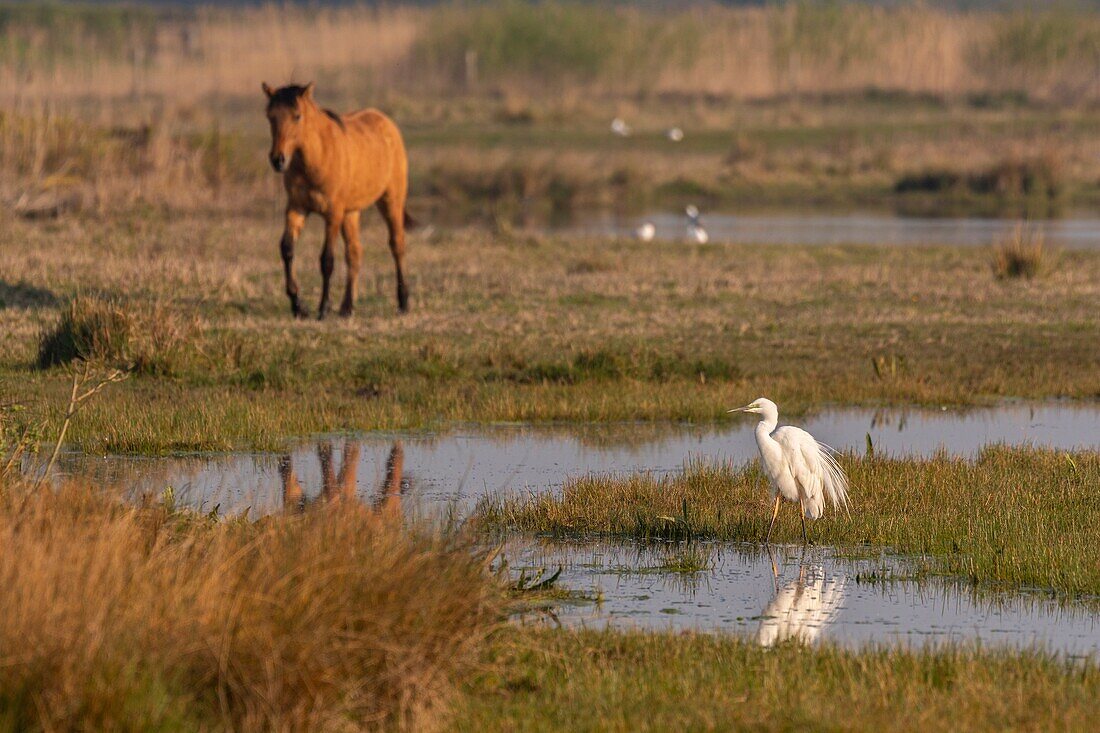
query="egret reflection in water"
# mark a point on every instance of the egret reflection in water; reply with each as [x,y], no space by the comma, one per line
[803,607]
[340,485]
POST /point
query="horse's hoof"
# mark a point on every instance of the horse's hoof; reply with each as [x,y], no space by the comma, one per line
[300,314]
[346,312]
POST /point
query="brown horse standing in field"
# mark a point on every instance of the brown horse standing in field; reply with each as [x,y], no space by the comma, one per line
[336,165]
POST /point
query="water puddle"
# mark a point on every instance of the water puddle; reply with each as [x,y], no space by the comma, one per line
[456,467]
[802,594]
[827,229]
[807,595]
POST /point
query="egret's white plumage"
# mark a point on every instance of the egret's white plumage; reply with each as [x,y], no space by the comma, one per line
[620,128]
[799,468]
[695,231]
[675,134]
[646,232]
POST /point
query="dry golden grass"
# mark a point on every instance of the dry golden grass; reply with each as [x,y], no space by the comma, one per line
[138,618]
[732,52]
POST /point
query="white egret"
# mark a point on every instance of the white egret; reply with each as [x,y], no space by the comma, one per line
[799,467]
[646,232]
[675,134]
[620,128]
[695,231]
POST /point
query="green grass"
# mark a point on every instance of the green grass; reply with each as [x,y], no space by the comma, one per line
[1011,518]
[516,328]
[645,681]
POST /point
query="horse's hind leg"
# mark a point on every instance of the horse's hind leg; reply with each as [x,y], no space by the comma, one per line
[392,207]
[353,256]
[295,220]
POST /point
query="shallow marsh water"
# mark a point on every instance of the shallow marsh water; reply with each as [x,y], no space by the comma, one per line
[808,595]
[460,465]
[1075,232]
[803,594]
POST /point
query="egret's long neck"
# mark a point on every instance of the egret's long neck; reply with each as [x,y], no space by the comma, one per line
[768,421]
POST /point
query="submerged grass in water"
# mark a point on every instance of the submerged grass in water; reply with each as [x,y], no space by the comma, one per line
[1012,517]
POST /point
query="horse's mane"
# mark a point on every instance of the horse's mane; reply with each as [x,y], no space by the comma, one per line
[288,96]
[335,117]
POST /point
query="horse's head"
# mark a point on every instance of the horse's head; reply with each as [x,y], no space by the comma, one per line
[288,111]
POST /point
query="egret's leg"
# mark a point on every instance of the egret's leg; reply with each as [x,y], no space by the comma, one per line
[802,516]
[775,513]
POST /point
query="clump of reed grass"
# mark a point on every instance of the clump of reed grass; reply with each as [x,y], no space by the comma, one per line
[92,329]
[129,617]
[1022,254]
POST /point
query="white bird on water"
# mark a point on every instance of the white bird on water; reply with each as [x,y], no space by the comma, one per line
[675,134]
[695,231]
[646,232]
[620,128]
[798,466]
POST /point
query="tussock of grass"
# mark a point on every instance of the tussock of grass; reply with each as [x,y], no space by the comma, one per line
[1012,517]
[142,339]
[138,618]
[1023,254]
[647,681]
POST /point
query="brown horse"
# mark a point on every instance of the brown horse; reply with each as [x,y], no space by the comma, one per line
[336,165]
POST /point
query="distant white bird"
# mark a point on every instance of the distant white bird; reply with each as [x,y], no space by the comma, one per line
[646,232]
[675,134]
[620,128]
[798,466]
[695,231]
[802,608]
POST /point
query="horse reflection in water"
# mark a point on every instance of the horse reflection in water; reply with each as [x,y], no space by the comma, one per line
[340,486]
[802,608]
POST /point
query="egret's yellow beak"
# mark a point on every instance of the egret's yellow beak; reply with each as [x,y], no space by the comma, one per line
[746,408]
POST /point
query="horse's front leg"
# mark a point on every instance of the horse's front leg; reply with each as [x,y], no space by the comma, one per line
[353,256]
[295,220]
[328,258]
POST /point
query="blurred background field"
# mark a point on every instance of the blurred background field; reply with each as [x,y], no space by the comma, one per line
[929,108]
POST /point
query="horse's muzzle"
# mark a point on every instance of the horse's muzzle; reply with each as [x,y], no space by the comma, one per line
[278,162]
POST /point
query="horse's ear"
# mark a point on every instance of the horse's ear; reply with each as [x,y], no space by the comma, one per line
[308,92]
[267,90]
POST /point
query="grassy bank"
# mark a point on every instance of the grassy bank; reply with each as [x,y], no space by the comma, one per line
[1011,518]
[142,618]
[564,680]
[511,327]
